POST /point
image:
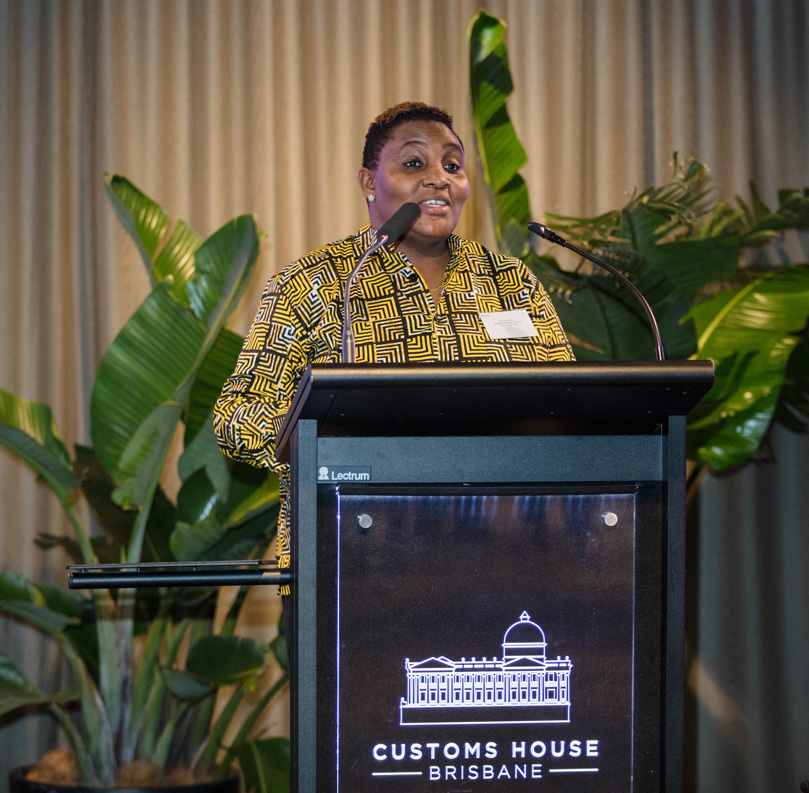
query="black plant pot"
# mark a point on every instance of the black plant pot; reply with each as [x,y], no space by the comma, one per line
[19,784]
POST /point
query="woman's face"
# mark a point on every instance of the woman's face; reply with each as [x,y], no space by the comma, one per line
[423,162]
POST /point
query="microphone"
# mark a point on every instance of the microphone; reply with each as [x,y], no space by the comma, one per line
[398,223]
[551,236]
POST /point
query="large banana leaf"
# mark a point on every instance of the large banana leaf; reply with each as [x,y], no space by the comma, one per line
[501,152]
[147,222]
[221,263]
[606,322]
[691,265]
[793,408]
[216,368]
[749,333]
[26,430]
[176,261]
[146,375]
[144,367]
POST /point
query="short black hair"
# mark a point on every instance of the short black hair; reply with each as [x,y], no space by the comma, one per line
[381,129]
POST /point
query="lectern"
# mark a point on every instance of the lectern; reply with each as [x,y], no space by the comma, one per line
[488,576]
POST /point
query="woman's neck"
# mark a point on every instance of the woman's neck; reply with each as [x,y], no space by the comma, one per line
[430,261]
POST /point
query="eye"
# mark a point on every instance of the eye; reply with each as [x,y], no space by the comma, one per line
[412,164]
[452,167]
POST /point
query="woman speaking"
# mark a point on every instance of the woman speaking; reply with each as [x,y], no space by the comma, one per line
[428,296]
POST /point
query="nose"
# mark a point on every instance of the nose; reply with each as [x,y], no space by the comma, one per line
[435,176]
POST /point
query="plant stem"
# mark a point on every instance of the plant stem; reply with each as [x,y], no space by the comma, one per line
[207,759]
[83,761]
[249,723]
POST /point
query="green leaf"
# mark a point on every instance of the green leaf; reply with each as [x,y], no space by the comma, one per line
[154,360]
[209,541]
[16,691]
[225,660]
[279,649]
[749,334]
[198,499]
[143,219]
[606,322]
[795,392]
[224,264]
[176,260]
[501,152]
[218,365]
[693,264]
[26,430]
[39,616]
[14,586]
[64,601]
[144,368]
[265,765]
[186,686]
[643,225]
[204,454]
[98,486]
[253,492]
[142,459]
[147,223]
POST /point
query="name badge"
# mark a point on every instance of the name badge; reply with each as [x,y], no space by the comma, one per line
[508,324]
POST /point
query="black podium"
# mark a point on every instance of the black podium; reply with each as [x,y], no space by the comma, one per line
[488,576]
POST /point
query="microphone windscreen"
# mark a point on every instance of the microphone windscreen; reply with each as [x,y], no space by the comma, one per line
[545,233]
[399,221]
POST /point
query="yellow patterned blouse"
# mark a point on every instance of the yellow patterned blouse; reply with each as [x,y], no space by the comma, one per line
[299,322]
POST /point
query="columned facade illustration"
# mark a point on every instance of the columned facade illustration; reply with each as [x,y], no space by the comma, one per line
[527,685]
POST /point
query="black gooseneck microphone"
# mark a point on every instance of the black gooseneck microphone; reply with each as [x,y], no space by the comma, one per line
[396,225]
[552,236]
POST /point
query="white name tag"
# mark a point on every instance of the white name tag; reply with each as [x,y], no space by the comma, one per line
[508,324]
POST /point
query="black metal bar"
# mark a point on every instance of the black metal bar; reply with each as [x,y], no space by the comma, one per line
[231,563]
[674,609]
[137,579]
[303,679]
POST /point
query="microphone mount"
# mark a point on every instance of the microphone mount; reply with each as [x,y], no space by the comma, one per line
[397,224]
[552,236]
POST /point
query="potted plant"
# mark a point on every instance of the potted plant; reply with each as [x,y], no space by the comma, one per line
[689,253]
[148,665]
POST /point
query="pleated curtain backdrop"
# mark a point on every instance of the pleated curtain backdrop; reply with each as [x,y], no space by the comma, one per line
[222,107]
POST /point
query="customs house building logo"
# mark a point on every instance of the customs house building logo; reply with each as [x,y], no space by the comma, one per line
[524,686]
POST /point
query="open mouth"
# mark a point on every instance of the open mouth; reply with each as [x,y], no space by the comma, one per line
[435,204]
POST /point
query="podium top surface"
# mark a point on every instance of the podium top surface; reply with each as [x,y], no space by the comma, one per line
[494,398]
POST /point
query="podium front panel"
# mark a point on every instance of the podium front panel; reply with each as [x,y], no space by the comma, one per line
[488,637]
[439,511]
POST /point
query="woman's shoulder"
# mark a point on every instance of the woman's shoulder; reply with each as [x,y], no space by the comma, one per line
[485,260]
[329,262]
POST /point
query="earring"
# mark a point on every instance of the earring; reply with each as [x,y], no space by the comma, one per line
[372,197]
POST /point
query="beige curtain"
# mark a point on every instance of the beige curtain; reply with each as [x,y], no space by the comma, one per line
[220,107]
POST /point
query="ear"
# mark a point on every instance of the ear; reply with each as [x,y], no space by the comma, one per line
[367,181]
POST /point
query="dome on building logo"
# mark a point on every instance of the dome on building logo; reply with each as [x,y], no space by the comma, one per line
[524,639]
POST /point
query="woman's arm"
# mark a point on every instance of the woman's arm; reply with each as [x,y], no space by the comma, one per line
[256,397]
